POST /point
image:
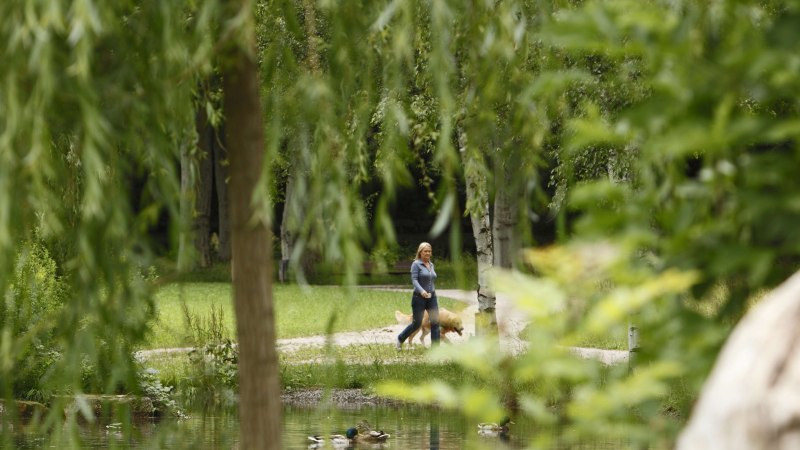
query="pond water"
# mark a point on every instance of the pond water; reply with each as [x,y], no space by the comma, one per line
[410,428]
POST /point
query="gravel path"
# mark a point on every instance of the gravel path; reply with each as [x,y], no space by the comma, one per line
[508,322]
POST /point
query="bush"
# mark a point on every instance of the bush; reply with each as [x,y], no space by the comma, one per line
[214,361]
[161,396]
[29,313]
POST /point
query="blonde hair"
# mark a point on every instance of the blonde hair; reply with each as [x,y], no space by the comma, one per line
[422,247]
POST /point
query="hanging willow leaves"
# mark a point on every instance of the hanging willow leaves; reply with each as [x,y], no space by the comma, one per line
[96,98]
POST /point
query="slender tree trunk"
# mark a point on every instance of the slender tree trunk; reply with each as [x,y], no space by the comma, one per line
[287,221]
[505,222]
[259,388]
[751,400]
[310,18]
[201,218]
[287,238]
[186,256]
[482,232]
[477,194]
[221,183]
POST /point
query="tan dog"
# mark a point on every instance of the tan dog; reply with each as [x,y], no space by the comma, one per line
[449,322]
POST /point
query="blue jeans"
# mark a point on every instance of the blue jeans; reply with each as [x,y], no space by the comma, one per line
[418,307]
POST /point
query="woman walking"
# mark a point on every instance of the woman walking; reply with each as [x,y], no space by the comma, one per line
[423,276]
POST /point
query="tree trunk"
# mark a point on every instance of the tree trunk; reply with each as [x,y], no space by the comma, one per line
[287,238]
[751,400]
[221,183]
[505,222]
[201,217]
[312,62]
[310,19]
[259,388]
[477,195]
[486,321]
[186,255]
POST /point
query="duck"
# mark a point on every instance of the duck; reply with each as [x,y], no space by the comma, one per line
[493,429]
[337,440]
[367,434]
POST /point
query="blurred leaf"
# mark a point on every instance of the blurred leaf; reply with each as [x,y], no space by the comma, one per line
[444,216]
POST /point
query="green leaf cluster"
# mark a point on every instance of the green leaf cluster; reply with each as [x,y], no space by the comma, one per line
[713,138]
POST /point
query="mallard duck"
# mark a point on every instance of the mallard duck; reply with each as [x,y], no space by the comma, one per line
[367,434]
[373,436]
[493,429]
[338,440]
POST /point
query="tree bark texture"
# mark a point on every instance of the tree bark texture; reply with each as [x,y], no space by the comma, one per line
[259,388]
[310,19]
[201,216]
[751,400]
[505,222]
[221,183]
[482,232]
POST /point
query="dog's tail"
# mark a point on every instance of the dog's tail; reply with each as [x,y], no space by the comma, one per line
[402,319]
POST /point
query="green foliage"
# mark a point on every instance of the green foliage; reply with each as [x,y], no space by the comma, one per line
[36,291]
[214,358]
[421,76]
[162,396]
[714,136]
[680,117]
[320,114]
[96,97]
[28,315]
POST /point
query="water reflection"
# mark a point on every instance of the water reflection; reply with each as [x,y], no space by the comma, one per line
[410,428]
[434,432]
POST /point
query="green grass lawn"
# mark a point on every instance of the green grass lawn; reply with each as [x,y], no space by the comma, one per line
[300,311]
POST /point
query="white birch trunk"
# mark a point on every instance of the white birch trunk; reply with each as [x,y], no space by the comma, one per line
[751,400]
[478,197]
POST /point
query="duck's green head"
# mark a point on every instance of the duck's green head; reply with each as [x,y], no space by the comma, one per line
[351,433]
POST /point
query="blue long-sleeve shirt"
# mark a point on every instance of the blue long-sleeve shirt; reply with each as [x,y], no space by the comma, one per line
[422,278]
